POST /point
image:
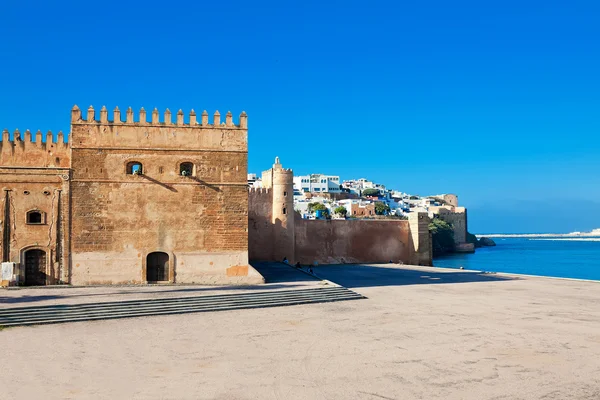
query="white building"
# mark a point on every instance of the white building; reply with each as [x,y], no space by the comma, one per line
[358,185]
[254,181]
[317,183]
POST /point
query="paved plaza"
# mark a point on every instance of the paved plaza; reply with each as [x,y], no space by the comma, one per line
[422,333]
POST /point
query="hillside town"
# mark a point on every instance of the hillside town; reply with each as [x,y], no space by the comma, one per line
[326,196]
[320,196]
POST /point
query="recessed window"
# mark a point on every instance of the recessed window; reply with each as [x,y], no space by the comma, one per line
[46,192]
[26,192]
[35,217]
[285,193]
[186,169]
[134,168]
[284,210]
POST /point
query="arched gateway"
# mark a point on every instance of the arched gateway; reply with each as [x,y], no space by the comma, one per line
[157,267]
[35,267]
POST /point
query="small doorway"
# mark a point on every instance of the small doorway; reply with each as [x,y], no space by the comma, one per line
[35,267]
[157,267]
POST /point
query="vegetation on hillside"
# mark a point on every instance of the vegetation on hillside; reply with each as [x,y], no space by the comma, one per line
[442,236]
[313,207]
[341,210]
[381,208]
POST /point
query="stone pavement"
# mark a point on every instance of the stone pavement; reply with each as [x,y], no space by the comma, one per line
[423,333]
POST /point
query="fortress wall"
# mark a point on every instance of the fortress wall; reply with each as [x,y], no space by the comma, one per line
[24,151]
[200,220]
[459,223]
[353,241]
[158,133]
[45,191]
[260,228]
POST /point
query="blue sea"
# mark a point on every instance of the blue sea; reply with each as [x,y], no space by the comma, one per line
[559,257]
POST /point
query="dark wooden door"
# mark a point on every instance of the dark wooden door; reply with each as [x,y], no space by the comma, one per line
[157,267]
[35,267]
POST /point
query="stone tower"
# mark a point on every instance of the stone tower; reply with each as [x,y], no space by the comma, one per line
[280,180]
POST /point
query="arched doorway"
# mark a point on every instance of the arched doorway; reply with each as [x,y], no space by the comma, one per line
[35,267]
[157,267]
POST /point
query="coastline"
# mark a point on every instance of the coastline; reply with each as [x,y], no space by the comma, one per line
[517,275]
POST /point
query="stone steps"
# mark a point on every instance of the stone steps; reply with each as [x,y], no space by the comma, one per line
[167,306]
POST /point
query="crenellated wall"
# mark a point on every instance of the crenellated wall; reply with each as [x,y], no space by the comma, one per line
[43,190]
[24,151]
[187,199]
[181,134]
[200,220]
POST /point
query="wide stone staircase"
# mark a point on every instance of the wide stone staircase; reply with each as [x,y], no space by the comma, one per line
[53,314]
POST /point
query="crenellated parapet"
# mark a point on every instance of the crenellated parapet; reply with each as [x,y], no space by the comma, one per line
[92,117]
[259,190]
[158,130]
[34,150]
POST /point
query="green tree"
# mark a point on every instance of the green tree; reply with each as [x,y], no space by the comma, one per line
[442,236]
[370,192]
[312,207]
[341,210]
[381,208]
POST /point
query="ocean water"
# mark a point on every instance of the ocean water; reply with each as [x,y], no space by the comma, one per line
[560,257]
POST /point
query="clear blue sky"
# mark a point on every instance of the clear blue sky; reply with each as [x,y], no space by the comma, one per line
[497,101]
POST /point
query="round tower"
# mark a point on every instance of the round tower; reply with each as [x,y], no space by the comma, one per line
[283,213]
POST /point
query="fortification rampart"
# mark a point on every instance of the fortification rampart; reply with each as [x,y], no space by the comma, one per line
[260,227]
[23,151]
[156,134]
[276,232]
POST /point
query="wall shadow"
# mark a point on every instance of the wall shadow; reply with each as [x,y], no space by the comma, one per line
[362,275]
[171,188]
[208,185]
[275,272]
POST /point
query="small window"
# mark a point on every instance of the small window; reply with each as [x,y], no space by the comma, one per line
[186,169]
[284,211]
[35,217]
[134,168]
[285,193]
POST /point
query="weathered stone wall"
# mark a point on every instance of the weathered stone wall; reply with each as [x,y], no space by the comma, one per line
[22,151]
[200,221]
[44,190]
[352,241]
[260,227]
[458,219]
[420,238]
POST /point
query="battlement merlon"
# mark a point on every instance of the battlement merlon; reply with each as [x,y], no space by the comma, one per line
[27,138]
[23,151]
[77,118]
[157,131]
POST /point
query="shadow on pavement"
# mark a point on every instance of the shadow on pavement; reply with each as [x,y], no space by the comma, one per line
[353,276]
[275,272]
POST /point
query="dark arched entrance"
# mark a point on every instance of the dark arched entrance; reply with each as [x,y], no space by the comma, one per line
[35,267]
[157,267]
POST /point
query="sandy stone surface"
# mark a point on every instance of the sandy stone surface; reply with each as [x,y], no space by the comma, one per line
[423,333]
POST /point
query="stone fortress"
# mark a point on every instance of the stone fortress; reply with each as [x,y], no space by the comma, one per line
[138,201]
